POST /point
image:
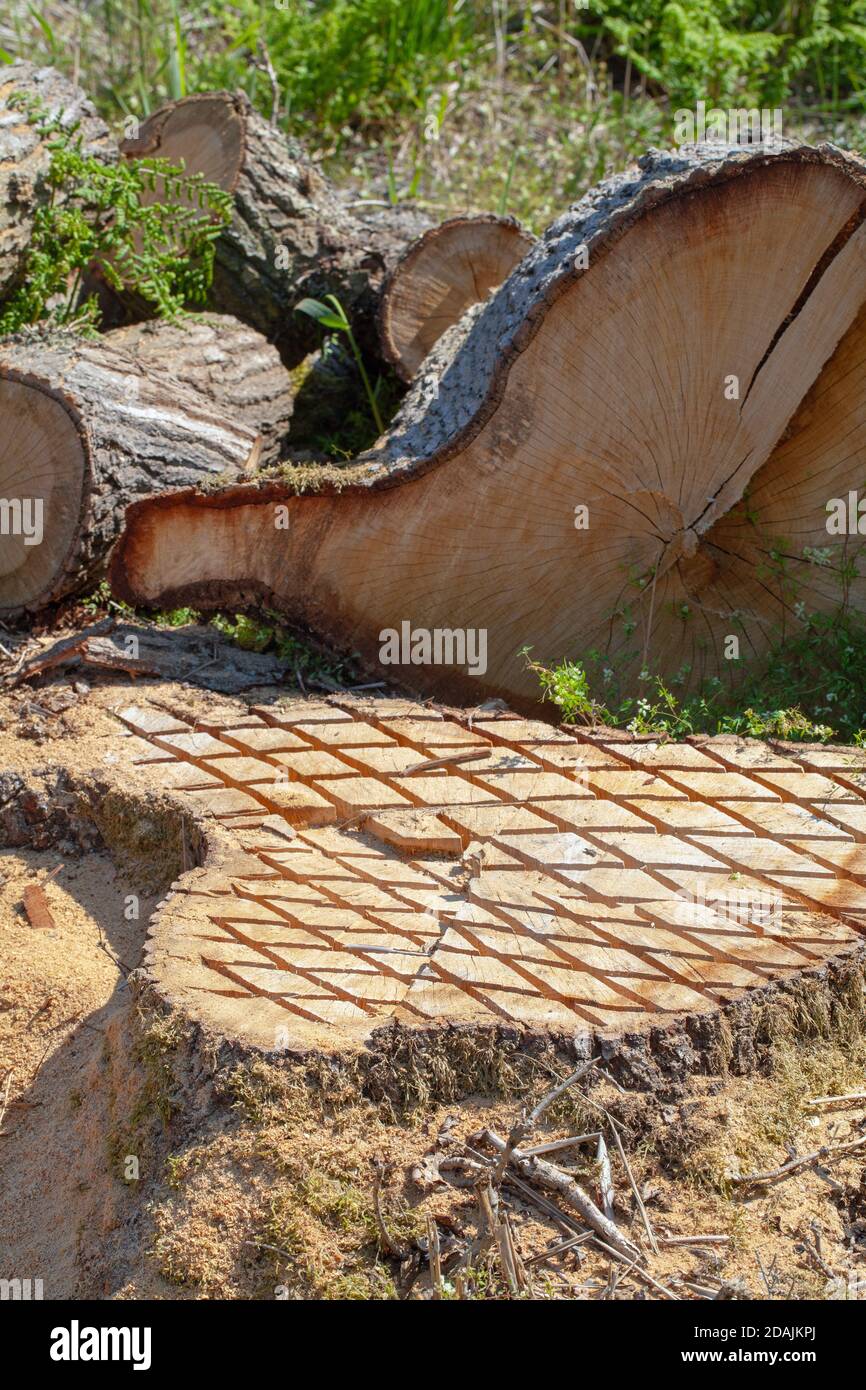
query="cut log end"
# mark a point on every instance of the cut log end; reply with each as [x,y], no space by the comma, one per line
[43,471]
[448,269]
[292,235]
[202,134]
[84,429]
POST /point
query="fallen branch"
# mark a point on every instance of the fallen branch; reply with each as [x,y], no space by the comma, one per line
[828,1151]
[5,1101]
[37,909]
[527,1123]
[431,763]
[389,1245]
[434,1255]
[555,1180]
[561,1249]
[629,1174]
[605,1178]
[634,1187]
[556,1145]
[694,1240]
[838,1100]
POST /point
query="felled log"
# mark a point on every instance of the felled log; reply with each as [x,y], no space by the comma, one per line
[547,1175]
[83,430]
[443,273]
[232,364]
[292,235]
[598,458]
[25,157]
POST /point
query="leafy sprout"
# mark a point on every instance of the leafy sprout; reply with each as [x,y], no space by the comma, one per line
[143,225]
[332,315]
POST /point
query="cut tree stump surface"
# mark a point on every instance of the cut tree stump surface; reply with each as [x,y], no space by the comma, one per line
[563,884]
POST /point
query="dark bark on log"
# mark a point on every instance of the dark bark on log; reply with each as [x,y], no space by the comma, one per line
[85,430]
[292,235]
[25,157]
[232,364]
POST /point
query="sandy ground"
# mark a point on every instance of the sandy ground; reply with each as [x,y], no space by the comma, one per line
[63,990]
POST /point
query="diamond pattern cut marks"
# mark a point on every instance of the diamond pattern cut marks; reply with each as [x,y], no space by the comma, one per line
[380,862]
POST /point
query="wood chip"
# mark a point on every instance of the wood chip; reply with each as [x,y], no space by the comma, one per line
[37,909]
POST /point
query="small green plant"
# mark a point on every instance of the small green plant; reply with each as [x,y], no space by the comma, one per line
[809,679]
[142,224]
[335,318]
[309,662]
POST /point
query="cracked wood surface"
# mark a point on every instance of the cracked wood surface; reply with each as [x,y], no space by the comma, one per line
[557,883]
[602,388]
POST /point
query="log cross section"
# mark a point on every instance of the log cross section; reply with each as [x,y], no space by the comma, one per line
[629,448]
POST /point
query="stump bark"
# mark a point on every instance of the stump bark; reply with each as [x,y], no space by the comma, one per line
[449,268]
[25,157]
[85,429]
[620,456]
[230,363]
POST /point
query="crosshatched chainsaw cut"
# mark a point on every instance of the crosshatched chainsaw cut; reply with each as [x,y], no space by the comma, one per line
[381,862]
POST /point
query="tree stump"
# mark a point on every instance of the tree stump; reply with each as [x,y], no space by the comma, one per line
[25,157]
[599,458]
[85,429]
[559,885]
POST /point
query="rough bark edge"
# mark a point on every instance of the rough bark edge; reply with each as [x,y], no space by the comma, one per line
[65,100]
[390,351]
[445,408]
[23,188]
